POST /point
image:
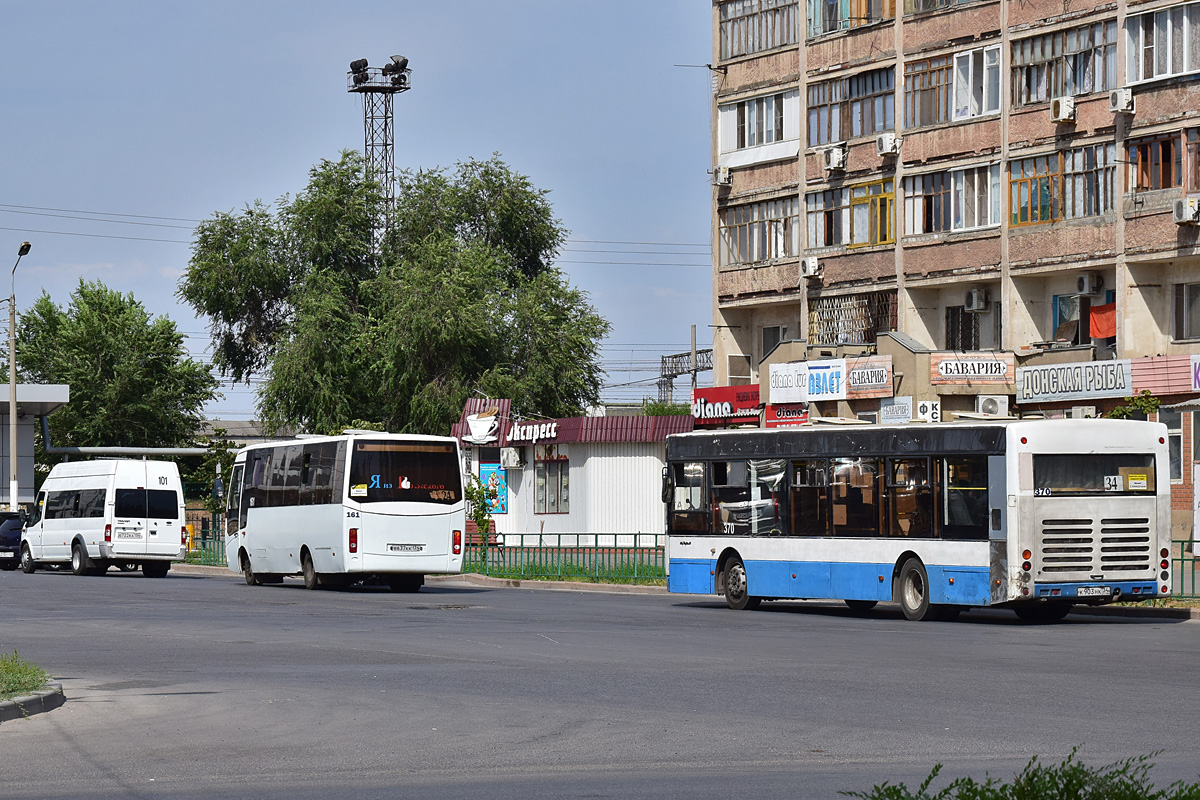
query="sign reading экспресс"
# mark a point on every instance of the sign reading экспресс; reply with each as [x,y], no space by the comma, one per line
[1077,381]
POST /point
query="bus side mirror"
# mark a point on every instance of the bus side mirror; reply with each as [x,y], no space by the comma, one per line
[666,484]
[218,489]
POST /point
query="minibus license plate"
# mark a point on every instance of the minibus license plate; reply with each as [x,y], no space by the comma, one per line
[129,534]
[1093,591]
[405,548]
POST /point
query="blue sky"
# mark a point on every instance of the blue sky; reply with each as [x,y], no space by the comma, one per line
[149,116]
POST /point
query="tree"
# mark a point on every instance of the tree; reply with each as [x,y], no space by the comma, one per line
[460,296]
[132,382]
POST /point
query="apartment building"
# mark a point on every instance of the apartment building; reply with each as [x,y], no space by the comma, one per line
[1009,189]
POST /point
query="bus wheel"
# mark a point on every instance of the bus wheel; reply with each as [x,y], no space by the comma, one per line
[737,590]
[78,561]
[912,591]
[311,579]
[1042,612]
[248,572]
[860,606]
[28,565]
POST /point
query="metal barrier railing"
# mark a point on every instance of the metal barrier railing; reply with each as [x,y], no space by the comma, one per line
[206,550]
[590,557]
[1185,570]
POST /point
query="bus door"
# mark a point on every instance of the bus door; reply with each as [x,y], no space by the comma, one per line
[687,511]
[234,516]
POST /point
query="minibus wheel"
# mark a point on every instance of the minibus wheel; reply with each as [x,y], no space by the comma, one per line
[248,572]
[311,579]
[78,560]
[28,565]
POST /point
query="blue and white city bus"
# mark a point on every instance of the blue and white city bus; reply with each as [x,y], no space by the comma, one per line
[337,509]
[1035,515]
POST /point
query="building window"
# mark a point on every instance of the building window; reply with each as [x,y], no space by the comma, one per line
[1193,160]
[1064,63]
[977,82]
[917,6]
[871,213]
[927,85]
[760,231]
[851,319]
[739,369]
[860,105]
[1035,190]
[752,26]
[962,328]
[772,335]
[828,217]
[1163,43]
[1187,311]
[826,16]
[976,197]
[760,121]
[1155,163]
[1072,322]
[1174,422]
[927,203]
[1089,178]
[552,475]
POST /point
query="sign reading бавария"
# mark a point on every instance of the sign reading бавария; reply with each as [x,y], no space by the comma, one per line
[975,368]
[1077,381]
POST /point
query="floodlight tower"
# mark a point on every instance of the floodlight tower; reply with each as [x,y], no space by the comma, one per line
[377,86]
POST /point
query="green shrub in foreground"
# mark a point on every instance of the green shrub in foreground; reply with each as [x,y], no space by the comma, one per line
[1070,780]
[19,677]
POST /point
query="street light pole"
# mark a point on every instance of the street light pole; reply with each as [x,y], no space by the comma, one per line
[12,381]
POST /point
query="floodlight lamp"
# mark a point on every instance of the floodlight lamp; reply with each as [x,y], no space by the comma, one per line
[358,65]
[400,80]
[360,78]
[401,63]
[24,250]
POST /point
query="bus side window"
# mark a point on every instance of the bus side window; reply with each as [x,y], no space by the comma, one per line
[810,497]
[910,498]
[965,497]
[855,497]
[687,507]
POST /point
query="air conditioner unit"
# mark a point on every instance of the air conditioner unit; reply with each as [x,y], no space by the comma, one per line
[1062,109]
[976,300]
[887,144]
[1186,211]
[834,158]
[810,267]
[1083,412]
[992,404]
[722,176]
[1120,101]
[1089,283]
[510,458]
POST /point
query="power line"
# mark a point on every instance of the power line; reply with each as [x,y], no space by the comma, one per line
[101,213]
[96,219]
[97,235]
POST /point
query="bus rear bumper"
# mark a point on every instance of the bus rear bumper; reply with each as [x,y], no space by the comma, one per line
[1098,593]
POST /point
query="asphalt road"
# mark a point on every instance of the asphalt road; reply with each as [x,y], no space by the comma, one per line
[191,687]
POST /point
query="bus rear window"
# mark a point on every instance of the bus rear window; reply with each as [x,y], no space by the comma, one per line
[1093,474]
[142,503]
[404,472]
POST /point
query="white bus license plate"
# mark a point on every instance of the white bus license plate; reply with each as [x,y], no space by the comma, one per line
[1093,591]
[405,548]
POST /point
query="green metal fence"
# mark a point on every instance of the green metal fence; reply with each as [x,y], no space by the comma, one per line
[593,558]
[1185,570]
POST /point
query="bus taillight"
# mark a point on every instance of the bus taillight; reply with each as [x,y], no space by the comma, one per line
[183,536]
[108,533]
[458,543]
[1165,553]
[354,540]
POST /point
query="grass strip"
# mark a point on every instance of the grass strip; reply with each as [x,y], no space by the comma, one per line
[19,677]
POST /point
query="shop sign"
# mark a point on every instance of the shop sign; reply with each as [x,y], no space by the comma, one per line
[894,410]
[725,405]
[791,415]
[962,368]
[532,432]
[1196,376]
[808,381]
[869,376]
[1084,380]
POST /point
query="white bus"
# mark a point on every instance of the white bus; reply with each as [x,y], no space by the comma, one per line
[1036,516]
[339,509]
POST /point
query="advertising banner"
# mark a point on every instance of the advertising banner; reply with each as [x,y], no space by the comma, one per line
[868,376]
[1076,381]
[792,415]
[963,368]
[725,405]
[808,381]
[893,410]
[492,476]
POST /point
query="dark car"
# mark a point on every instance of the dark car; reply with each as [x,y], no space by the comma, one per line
[10,539]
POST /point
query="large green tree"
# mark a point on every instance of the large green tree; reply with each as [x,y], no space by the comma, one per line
[132,381]
[345,323]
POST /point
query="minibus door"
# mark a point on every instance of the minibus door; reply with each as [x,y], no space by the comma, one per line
[234,515]
[129,534]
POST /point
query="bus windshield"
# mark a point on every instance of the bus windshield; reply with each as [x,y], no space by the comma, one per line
[404,472]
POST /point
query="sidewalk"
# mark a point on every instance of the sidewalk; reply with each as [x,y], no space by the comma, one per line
[474,579]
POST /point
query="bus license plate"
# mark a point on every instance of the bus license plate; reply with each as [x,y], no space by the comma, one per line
[1093,591]
[405,548]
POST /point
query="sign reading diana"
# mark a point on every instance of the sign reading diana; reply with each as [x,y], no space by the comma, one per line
[808,381]
[1079,381]
[725,405]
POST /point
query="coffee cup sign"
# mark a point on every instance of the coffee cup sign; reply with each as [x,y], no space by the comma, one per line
[483,426]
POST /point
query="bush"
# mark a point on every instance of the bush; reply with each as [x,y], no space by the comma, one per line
[1070,780]
[19,677]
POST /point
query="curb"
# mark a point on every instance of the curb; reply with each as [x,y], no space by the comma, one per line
[39,702]
[475,579]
